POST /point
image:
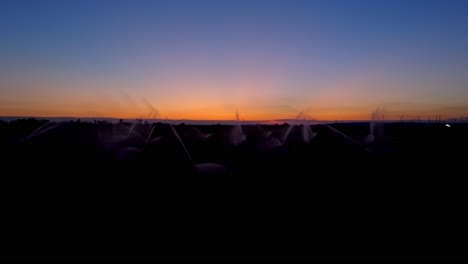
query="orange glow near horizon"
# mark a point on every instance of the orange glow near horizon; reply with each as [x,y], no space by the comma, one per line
[209,61]
[213,113]
[197,97]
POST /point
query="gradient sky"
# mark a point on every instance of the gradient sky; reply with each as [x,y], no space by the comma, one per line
[200,59]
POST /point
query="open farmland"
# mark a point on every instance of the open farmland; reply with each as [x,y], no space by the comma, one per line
[168,191]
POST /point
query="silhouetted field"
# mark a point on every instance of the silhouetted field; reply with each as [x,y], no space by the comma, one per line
[157,191]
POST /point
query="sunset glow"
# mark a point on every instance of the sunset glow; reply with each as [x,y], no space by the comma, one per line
[267,60]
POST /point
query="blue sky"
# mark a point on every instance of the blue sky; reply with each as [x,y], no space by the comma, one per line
[205,59]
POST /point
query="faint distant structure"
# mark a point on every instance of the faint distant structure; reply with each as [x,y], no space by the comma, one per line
[121,121]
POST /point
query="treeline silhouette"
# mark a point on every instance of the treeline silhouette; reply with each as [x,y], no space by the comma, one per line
[158,191]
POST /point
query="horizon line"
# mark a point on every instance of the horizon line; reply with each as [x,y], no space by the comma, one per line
[214,121]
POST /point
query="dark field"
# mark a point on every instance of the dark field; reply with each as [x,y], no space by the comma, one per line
[78,190]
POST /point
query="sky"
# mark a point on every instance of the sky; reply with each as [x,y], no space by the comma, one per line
[208,59]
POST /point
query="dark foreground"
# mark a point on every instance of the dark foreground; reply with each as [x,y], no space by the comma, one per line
[78,191]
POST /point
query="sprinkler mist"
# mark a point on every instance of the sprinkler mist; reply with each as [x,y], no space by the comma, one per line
[42,129]
[206,169]
[307,134]
[236,134]
[376,117]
